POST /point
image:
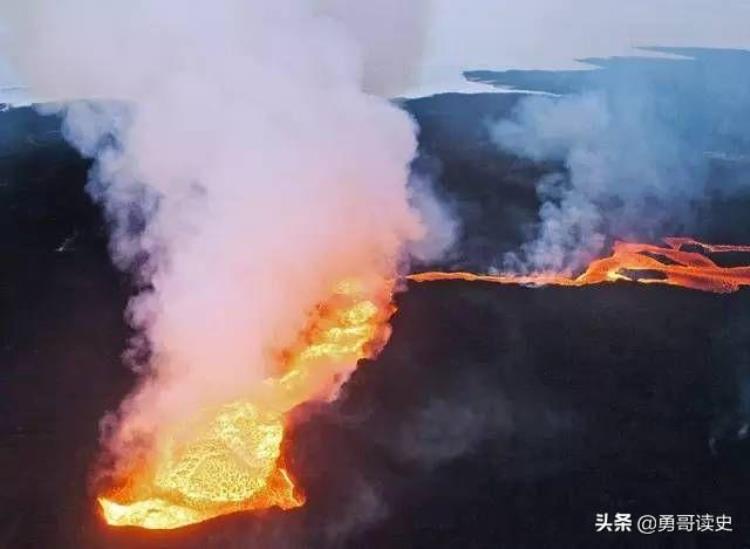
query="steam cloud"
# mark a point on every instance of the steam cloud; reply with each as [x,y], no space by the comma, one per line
[244,164]
[640,142]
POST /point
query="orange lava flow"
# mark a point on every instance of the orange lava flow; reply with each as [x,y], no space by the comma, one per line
[671,264]
[232,459]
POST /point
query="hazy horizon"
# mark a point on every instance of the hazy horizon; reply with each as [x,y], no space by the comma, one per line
[550,34]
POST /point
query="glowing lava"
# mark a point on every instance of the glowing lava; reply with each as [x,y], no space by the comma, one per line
[635,262]
[234,461]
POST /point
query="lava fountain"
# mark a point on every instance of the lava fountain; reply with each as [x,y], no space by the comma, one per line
[232,459]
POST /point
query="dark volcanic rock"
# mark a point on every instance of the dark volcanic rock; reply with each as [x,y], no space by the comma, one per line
[496,417]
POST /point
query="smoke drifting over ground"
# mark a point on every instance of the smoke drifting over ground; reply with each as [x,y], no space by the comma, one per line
[641,143]
[243,167]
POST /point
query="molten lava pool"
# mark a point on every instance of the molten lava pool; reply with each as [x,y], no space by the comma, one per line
[234,461]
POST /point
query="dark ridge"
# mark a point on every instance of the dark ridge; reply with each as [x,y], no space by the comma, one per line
[660,258]
[694,61]
[643,274]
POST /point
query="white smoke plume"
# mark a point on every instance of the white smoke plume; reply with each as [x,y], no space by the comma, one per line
[613,167]
[243,162]
[636,148]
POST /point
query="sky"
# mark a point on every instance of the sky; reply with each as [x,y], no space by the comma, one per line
[549,34]
[552,34]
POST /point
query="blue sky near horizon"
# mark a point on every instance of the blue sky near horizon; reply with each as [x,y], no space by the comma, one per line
[552,34]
